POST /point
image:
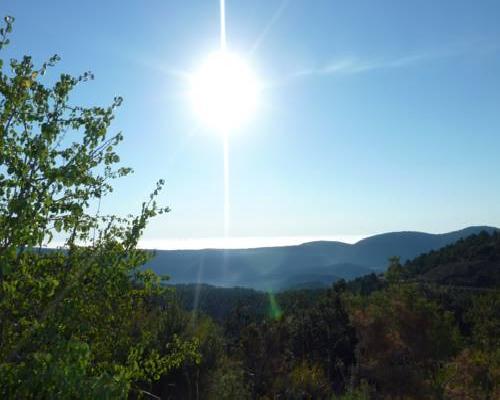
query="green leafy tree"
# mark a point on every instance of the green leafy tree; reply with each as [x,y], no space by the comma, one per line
[83,321]
[475,372]
[324,335]
[484,315]
[404,340]
[228,382]
[306,381]
[394,272]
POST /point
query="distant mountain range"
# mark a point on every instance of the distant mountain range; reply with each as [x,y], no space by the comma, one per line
[306,265]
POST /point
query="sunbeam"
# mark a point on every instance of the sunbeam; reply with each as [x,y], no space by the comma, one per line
[224,93]
[226,187]
[222,9]
[276,16]
[223,25]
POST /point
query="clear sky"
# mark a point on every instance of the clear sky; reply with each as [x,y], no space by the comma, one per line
[376,115]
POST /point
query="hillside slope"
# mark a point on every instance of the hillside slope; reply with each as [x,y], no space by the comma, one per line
[281,267]
[473,261]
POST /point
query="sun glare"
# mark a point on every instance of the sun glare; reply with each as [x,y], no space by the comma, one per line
[224,91]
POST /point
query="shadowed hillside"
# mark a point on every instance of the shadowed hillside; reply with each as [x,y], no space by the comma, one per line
[474,261]
[312,264]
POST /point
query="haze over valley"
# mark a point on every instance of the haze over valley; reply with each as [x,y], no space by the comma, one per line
[314,264]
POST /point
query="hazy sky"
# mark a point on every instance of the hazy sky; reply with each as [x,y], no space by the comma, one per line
[376,116]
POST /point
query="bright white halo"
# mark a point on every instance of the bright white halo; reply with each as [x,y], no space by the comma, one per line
[224,91]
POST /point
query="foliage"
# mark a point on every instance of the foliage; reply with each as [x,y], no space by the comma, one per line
[371,338]
[473,374]
[484,316]
[365,285]
[403,338]
[83,321]
[395,271]
[361,392]
[324,335]
[219,302]
[228,382]
[307,381]
[472,261]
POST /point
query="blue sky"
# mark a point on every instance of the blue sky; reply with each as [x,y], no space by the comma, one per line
[376,116]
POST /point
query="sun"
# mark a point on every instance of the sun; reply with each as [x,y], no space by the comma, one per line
[224,92]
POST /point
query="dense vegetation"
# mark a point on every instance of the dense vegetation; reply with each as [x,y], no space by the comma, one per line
[87,322]
[472,261]
[397,335]
[83,322]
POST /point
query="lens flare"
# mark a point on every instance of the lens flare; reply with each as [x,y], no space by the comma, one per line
[274,308]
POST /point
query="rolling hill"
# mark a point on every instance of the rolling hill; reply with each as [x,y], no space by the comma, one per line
[314,263]
[472,262]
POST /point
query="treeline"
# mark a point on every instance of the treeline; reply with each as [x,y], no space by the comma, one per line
[376,337]
[220,302]
[403,341]
[481,247]
[472,261]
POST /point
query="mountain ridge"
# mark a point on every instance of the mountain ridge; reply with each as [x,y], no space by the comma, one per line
[270,268]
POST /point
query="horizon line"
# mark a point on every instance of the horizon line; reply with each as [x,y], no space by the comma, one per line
[255,242]
[242,242]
